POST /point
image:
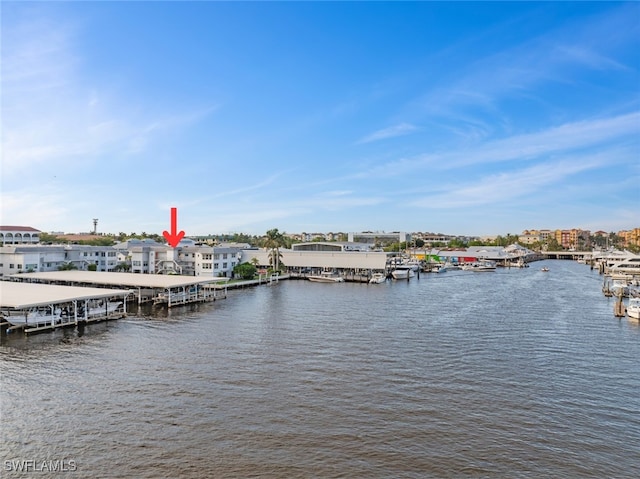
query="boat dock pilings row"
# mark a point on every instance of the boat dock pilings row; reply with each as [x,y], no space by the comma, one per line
[62,323]
[32,308]
[170,290]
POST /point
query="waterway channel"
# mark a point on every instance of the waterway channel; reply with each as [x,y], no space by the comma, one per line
[513,373]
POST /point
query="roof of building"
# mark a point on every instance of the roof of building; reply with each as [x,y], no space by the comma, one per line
[119,279]
[19,228]
[28,295]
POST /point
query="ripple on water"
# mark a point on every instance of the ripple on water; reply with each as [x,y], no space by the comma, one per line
[515,373]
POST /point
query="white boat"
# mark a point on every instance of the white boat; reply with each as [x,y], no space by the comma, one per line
[414,264]
[544,269]
[633,308]
[619,287]
[101,309]
[326,277]
[479,267]
[377,278]
[438,268]
[403,272]
[35,317]
[629,265]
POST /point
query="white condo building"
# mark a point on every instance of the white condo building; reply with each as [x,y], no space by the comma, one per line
[19,235]
[39,258]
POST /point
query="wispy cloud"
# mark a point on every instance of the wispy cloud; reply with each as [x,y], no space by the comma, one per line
[565,138]
[505,186]
[54,115]
[246,189]
[519,71]
[391,132]
[43,207]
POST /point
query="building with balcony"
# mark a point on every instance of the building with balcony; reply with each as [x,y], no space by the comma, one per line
[19,235]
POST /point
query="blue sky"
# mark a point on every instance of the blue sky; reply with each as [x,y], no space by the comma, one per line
[460,118]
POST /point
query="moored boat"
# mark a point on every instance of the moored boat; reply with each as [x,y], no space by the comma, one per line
[35,317]
[479,266]
[628,265]
[439,268]
[326,277]
[99,308]
[633,308]
[377,278]
[403,272]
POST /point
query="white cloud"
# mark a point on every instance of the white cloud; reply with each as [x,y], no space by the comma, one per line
[562,139]
[42,208]
[391,132]
[54,114]
[506,186]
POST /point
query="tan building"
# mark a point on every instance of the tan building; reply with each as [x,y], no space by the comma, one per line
[630,237]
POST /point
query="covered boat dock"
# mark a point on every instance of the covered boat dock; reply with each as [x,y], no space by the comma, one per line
[169,289]
[38,307]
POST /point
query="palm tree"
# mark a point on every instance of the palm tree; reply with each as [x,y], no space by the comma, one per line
[274,240]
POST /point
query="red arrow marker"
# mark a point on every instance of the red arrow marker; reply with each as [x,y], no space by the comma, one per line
[174,237]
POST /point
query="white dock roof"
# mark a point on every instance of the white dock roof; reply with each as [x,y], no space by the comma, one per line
[119,279]
[28,295]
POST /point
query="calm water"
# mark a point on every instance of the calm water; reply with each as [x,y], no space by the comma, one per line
[516,373]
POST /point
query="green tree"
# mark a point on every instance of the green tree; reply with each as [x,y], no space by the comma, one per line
[92,267]
[67,267]
[553,245]
[245,270]
[47,238]
[457,243]
[123,267]
[105,241]
[273,242]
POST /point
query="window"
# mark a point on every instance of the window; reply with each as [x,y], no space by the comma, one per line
[11,266]
[224,265]
[224,256]
[216,265]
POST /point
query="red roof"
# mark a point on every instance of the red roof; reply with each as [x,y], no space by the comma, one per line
[19,228]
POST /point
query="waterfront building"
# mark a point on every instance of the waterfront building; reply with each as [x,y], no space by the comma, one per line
[630,237]
[501,255]
[331,246]
[215,261]
[301,260]
[430,238]
[379,237]
[528,237]
[41,258]
[19,235]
